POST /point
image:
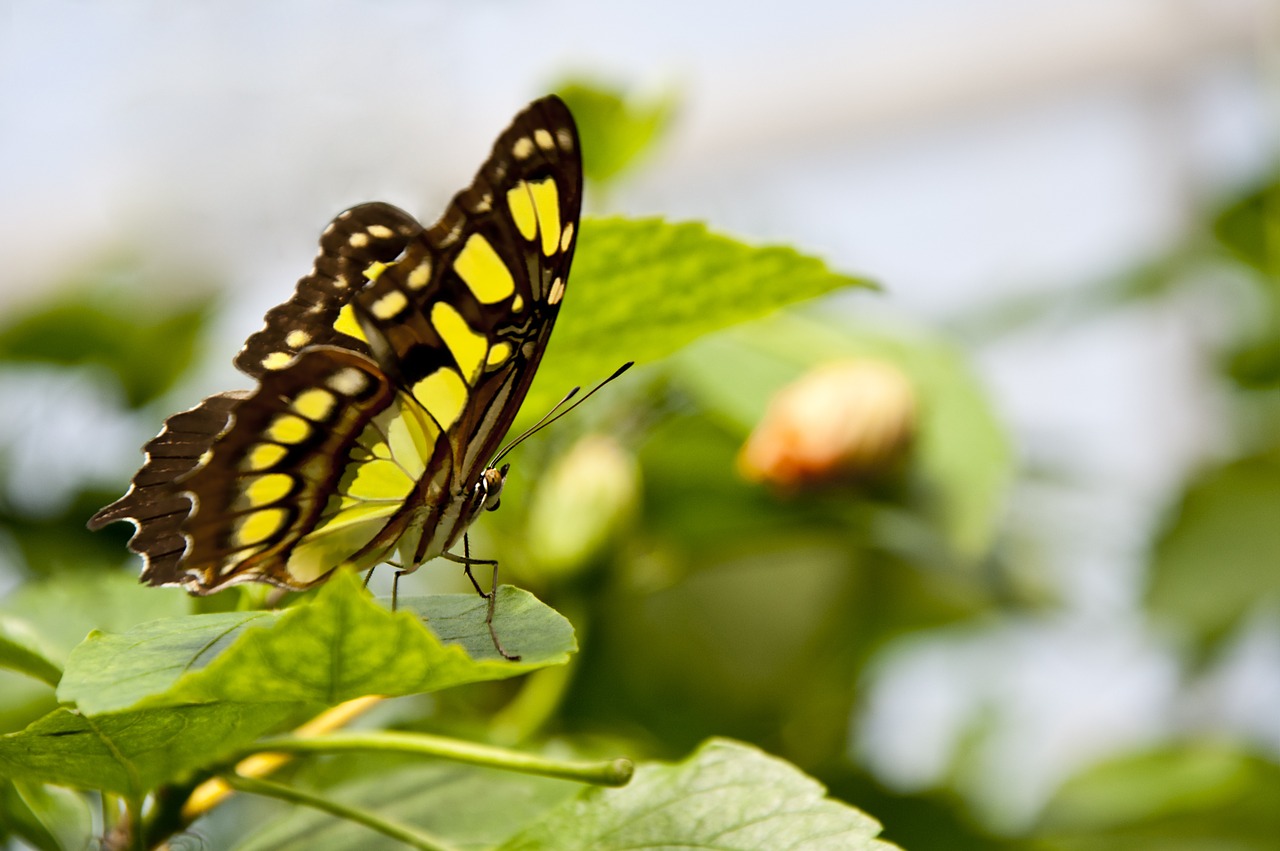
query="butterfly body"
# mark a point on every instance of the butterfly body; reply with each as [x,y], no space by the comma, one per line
[385,386]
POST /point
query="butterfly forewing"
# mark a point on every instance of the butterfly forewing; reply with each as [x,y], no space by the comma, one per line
[386,384]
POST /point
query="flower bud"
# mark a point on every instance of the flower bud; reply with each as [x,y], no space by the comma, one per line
[848,420]
[582,500]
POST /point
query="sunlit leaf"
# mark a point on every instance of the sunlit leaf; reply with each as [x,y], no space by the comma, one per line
[727,796]
[340,645]
[643,288]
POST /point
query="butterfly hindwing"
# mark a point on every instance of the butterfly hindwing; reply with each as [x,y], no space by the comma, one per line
[153,504]
[386,383]
[355,242]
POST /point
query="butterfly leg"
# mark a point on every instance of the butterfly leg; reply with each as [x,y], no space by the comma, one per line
[492,596]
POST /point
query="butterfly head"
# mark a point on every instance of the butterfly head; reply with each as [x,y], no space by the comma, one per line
[489,488]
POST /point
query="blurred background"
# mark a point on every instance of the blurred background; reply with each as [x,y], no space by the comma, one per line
[1046,615]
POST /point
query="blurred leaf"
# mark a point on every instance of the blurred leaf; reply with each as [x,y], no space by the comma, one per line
[1218,557]
[20,651]
[63,609]
[340,645]
[146,346]
[475,808]
[1250,228]
[55,819]
[961,450]
[726,796]
[644,288]
[131,753]
[1255,365]
[614,129]
[1181,797]
[58,542]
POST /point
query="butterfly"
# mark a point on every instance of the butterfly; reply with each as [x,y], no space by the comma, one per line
[385,386]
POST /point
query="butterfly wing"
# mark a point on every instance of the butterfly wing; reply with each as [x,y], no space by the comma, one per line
[441,329]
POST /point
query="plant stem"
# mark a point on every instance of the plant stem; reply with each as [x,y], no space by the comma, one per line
[394,829]
[211,793]
[616,772]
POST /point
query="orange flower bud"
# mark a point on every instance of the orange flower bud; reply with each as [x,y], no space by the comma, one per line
[851,419]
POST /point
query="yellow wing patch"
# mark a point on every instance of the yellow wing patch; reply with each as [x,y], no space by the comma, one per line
[443,394]
[348,324]
[264,490]
[316,404]
[483,271]
[498,353]
[546,201]
[520,203]
[276,360]
[289,428]
[259,526]
[467,346]
[263,456]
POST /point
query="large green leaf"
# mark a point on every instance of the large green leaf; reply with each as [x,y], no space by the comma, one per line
[340,645]
[1218,558]
[727,796]
[644,288]
[131,753]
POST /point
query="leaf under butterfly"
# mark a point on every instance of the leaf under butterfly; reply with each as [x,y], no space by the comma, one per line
[339,645]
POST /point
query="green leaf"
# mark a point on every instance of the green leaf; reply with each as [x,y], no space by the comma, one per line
[473,807]
[1250,228]
[148,347]
[63,609]
[20,651]
[1217,559]
[614,129]
[962,451]
[1187,796]
[340,645]
[45,817]
[727,796]
[131,753]
[643,288]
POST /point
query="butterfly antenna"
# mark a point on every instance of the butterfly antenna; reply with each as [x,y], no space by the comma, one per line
[551,416]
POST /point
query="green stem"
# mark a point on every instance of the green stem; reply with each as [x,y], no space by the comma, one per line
[615,772]
[135,824]
[395,830]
